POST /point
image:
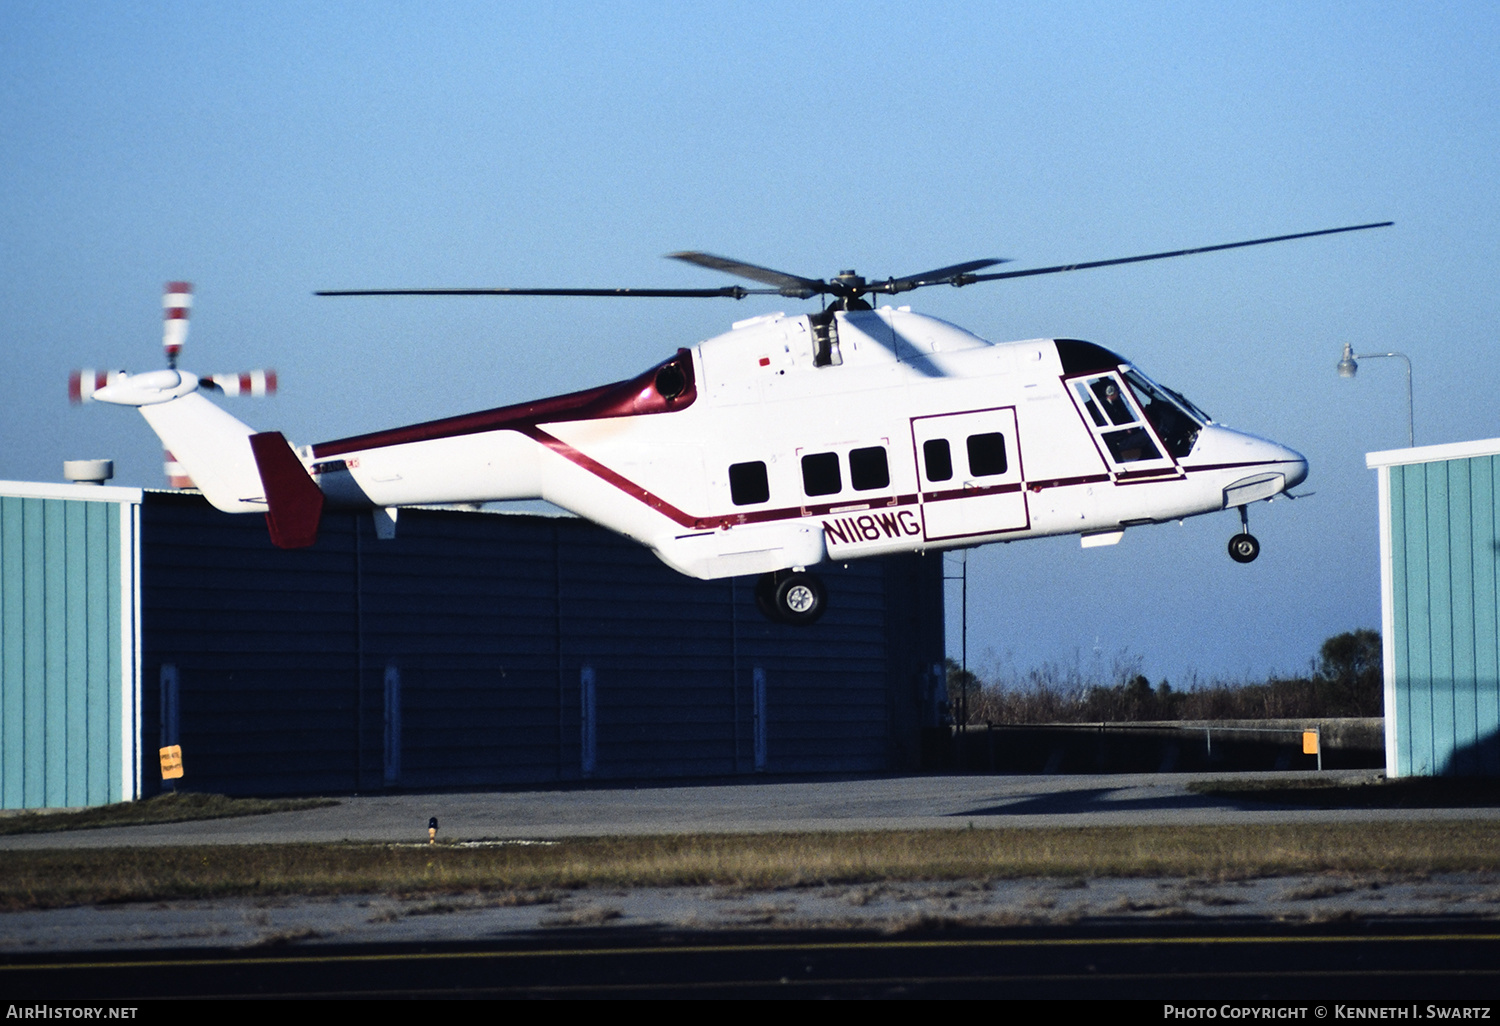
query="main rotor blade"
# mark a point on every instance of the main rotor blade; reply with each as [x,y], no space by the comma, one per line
[1175,253]
[955,274]
[727,292]
[791,285]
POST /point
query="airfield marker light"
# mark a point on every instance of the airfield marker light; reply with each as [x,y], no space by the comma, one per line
[432,830]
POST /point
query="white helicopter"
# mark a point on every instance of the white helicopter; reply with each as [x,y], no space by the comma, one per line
[788,441]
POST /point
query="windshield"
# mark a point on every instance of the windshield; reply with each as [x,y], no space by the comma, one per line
[1176,420]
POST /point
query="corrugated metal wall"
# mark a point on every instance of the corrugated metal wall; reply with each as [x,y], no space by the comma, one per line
[67,649]
[479,649]
[1444,524]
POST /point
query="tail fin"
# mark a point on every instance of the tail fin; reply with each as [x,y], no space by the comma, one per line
[294,501]
[238,469]
[214,448]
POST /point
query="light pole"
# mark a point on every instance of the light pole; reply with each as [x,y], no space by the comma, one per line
[1348,368]
[961,707]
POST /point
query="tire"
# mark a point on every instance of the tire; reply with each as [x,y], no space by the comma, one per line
[799,599]
[1243,548]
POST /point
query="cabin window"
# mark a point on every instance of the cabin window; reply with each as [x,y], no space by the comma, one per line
[748,484]
[820,474]
[987,454]
[939,459]
[868,469]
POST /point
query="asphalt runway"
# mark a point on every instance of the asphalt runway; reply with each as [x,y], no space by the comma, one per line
[771,805]
[1241,972]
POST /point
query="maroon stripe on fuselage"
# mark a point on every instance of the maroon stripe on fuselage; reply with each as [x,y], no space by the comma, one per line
[1233,466]
[822,509]
[971,493]
[615,478]
[1156,473]
[635,397]
[1064,482]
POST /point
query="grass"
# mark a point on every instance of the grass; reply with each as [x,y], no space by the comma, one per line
[165,808]
[42,879]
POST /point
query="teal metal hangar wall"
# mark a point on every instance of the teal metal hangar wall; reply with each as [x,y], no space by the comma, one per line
[1440,606]
[69,639]
[480,649]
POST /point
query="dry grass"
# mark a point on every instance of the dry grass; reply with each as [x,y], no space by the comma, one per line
[755,861]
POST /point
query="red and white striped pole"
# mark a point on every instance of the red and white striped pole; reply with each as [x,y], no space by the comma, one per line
[175,306]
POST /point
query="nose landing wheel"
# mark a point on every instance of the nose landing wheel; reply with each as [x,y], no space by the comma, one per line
[1243,548]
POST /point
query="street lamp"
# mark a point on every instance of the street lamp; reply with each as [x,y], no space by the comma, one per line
[1348,368]
[962,706]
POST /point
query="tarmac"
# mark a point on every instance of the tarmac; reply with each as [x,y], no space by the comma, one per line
[771,805]
[866,803]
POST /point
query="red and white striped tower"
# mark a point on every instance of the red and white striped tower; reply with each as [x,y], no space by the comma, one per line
[175,306]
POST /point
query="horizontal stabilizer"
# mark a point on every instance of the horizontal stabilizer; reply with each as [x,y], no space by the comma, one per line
[294,501]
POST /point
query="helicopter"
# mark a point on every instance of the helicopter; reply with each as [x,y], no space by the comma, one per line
[789,441]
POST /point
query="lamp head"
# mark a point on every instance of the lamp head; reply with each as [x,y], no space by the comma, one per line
[1347,367]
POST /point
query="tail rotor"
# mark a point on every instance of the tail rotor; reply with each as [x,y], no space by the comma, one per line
[154,387]
[176,305]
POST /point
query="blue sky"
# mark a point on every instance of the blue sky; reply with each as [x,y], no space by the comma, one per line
[265,150]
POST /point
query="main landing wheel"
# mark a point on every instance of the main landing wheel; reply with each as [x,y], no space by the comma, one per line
[1243,548]
[791,597]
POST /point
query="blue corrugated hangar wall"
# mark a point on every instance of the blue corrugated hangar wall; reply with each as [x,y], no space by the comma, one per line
[68,645]
[1440,603]
[479,649]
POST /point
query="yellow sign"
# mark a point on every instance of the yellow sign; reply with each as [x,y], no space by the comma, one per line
[1309,742]
[171,762]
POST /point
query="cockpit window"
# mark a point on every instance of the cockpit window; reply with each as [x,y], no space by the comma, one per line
[1175,425]
[1122,434]
[1187,404]
[1108,394]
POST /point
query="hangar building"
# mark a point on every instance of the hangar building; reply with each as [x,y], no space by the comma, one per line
[474,649]
[1440,607]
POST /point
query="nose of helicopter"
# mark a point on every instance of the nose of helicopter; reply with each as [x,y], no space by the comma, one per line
[1222,446]
[1278,457]
[1296,467]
